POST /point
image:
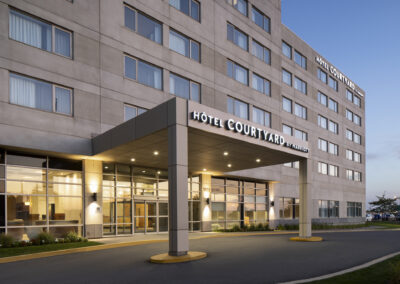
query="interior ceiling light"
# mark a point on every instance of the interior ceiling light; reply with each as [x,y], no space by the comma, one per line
[133,159]
[258,160]
[155,153]
[226,153]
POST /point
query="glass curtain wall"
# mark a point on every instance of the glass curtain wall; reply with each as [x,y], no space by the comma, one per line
[237,202]
[40,194]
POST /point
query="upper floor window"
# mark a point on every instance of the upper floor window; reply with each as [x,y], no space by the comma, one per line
[189,7]
[353,98]
[287,104]
[353,117]
[238,108]
[240,5]
[131,111]
[333,127]
[184,45]
[333,105]
[322,122]
[143,24]
[322,145]
[237,37]
[286,77]
[286,129]
[299,134]
[323,168]
[37,33]
[352,136]
[300,59]
[261,52]
[286,50]
[184,88]
[300,111]
[260,20]
[237,72]
[34,93]
[322,76]
[333,149]
[333,83]
[262,85]
[300,85]
[322,99]
[261,117]
[143,72]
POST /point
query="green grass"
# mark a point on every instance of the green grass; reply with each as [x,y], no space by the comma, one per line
[5,252]
[386,224]
[386,272]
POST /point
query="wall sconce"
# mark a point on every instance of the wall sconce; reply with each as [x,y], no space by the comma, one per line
[272,203]
[208,201]
[94,196]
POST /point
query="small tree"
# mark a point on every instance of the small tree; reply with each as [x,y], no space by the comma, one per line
[384,205]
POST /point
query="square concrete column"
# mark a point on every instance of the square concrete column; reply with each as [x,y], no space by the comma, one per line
[178,189]
[305,170]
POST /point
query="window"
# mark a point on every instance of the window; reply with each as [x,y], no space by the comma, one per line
[357,176]
[286,77]
[349,155]
[353,98]
[357,157]
[333,127]
[357,101]
[260,20]
[143,72]
[357,119]
[240,5]
[238,108]
[287,104]
[289,208]
[353,175]
[37,33]
[184,88]
[354,209]
[287,129]
[322,99]
[333,83]
[132,111]
[349,95]
[328,208]
[357,138]
[143,24]
[38,94]
[323,168]
[322,122]
[262,85]
[349,174]
[237,37]
[333,171]
[261,52]
[286,50]
[300,85]
[184,45]
[299,134]
[322,145]
[237,72]
[333,149]
[261,117]
[333,105]
[300,59]
[322,75]
[349,115]
[189,7]
[300,111]
[349,134]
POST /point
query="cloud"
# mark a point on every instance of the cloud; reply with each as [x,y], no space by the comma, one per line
[373,156]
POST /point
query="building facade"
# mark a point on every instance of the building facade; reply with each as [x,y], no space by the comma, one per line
[75,75]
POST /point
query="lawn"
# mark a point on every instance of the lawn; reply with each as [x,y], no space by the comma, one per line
[5,252]
[386,272]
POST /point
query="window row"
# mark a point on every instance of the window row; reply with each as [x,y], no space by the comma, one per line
[328,208]
[353,117]
[299,110]
[241,39]
[299,84]
[151,75]
[299,59]
[327,169]
[259,18]
[241,109]
[328,124]
[352,136]
[353,175]
[328,147]
[38,33]
[241,74]
[328,102]
[188,7]
[353,98]
[299,134]
[323,76]
[353,156]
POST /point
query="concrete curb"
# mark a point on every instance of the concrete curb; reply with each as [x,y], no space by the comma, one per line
[341,272]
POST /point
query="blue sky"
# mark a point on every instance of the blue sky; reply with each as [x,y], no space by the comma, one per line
[362,39]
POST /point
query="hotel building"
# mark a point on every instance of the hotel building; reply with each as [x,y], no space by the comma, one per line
[130,117]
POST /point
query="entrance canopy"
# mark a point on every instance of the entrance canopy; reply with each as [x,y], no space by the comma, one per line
[217,142]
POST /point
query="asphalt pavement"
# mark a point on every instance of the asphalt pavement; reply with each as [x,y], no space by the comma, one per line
[242,259]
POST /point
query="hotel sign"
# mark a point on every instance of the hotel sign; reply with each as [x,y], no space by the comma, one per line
[342,78]
[245,129]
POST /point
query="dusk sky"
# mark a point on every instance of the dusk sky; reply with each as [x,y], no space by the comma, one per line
[362,39]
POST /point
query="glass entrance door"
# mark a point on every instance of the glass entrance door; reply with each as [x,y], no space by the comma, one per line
[139,217]
[145,216]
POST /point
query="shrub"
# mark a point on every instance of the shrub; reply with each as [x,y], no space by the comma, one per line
[252,227]
[6,241]
[236,228]
[260,227]
[44,238]
[72,237]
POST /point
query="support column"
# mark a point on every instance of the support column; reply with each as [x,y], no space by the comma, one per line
[305,171]
[93,173]
[178,190]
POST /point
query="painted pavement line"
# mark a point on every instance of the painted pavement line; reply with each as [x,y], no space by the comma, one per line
[341,272]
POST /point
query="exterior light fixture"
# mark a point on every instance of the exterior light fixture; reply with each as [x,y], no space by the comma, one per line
[208,201]
[155,153]
[94,196]
[229,165]
[258,160]
[27,203]
[133,159]
[272,203]
[226,153]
